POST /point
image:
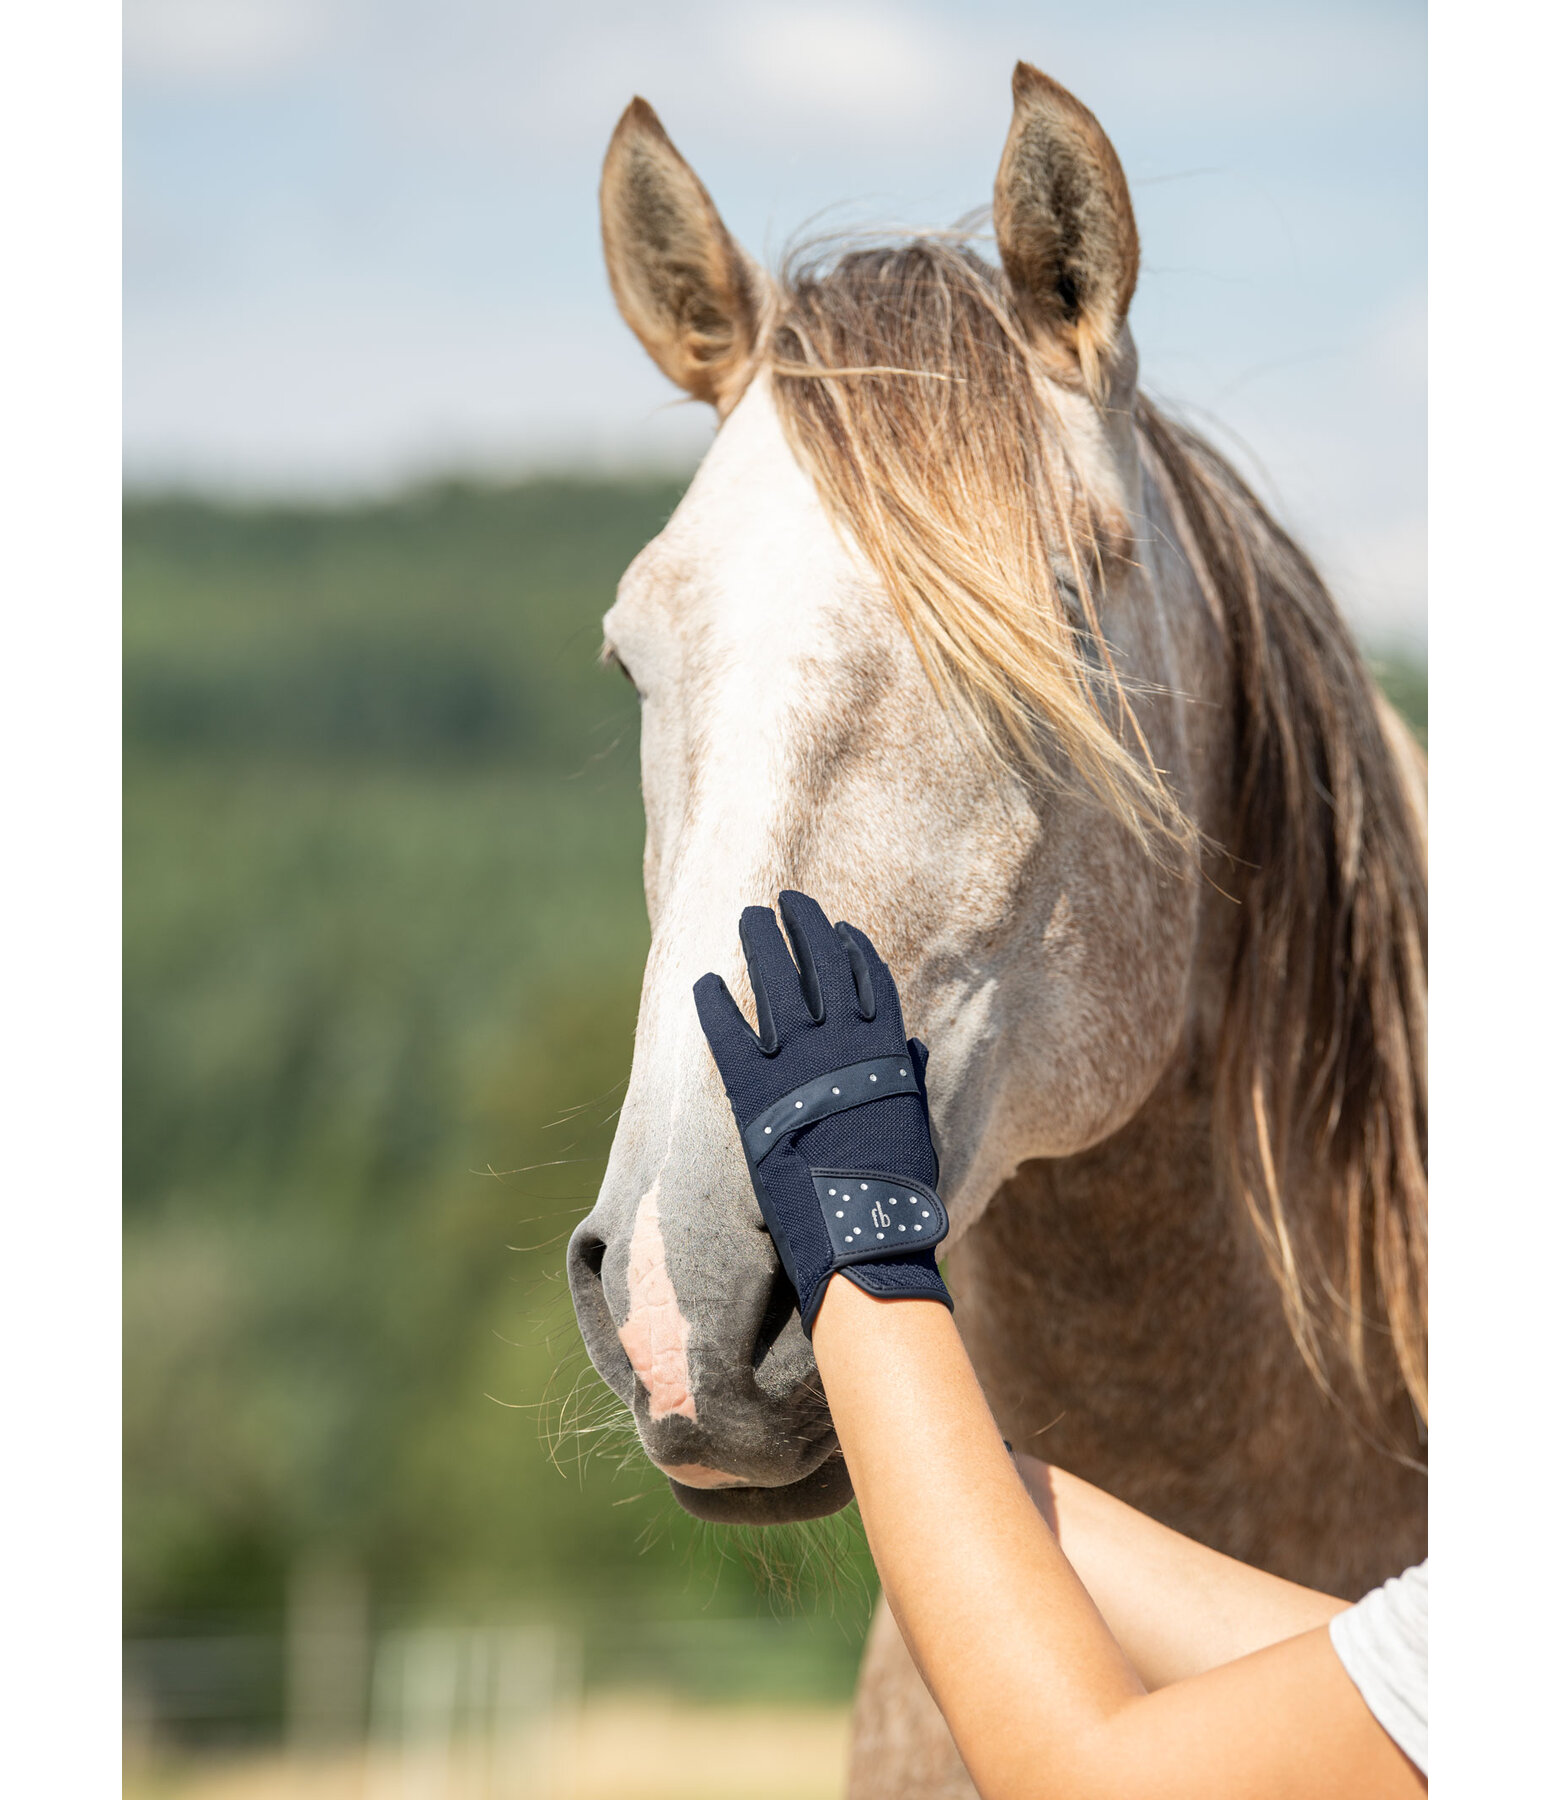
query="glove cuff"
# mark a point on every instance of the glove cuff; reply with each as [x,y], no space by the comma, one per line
[913,1277]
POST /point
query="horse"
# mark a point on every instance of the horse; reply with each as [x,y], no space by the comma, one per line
[958,631]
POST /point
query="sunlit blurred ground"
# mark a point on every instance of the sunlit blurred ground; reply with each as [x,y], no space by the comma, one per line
[611,1748]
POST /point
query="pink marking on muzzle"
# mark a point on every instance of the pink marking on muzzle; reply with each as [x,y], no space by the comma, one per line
[656,1334]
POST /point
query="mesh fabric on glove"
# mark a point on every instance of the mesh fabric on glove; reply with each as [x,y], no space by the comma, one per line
[853,1189]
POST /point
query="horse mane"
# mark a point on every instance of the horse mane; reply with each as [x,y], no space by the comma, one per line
[1321,1063]
[907,386]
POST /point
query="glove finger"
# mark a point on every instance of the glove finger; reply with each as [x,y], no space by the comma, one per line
[860,971]
[733,1041]
[821,957]
[777,988]
[868,965]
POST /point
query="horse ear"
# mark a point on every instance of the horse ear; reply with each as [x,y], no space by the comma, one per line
[683,285]
[1065,229]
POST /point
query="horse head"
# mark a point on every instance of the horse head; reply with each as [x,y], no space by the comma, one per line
[834,696]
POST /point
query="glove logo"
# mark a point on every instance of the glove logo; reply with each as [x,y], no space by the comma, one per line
[905,1216]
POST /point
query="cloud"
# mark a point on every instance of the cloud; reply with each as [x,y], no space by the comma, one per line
[1379,576]
[870,66]
[1400,346]
[202,44]
[770,75]
[347,397]
[779,78]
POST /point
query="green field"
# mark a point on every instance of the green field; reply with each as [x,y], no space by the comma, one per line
[384,942]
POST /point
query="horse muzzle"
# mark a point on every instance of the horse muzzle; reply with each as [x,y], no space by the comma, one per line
[687,1315]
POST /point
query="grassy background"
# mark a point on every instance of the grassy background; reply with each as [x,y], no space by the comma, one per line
[384,942]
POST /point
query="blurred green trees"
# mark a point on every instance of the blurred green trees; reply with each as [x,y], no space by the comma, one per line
[384,942]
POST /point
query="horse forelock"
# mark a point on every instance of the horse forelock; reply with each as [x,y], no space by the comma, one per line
[914,400]
[913,397]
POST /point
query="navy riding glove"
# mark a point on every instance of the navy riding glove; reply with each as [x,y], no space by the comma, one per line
[830,1100]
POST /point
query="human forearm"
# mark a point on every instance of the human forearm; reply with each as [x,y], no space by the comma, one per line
[1003,1632]
[1176,1607]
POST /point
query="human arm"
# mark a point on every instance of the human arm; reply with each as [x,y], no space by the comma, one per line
[1176,1607]
[1038,1693]
[829,1099]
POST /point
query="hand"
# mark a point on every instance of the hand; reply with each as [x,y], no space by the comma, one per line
[830,1100]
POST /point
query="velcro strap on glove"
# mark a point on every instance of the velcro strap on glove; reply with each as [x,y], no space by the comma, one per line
[837,1092]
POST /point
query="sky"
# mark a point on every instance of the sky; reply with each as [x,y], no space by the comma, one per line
[362,244]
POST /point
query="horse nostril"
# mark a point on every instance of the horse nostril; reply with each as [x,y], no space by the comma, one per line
[590,1253]
[584,1258]
[599,1329]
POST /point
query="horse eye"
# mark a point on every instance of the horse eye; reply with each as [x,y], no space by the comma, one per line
[1070,597]
[1076,617]
[610,655]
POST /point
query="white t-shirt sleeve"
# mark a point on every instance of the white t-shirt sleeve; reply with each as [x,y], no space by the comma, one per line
[1382,1643]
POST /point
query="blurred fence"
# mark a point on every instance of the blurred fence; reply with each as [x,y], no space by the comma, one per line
[453,1712]
[459,1711]
[448,1712]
